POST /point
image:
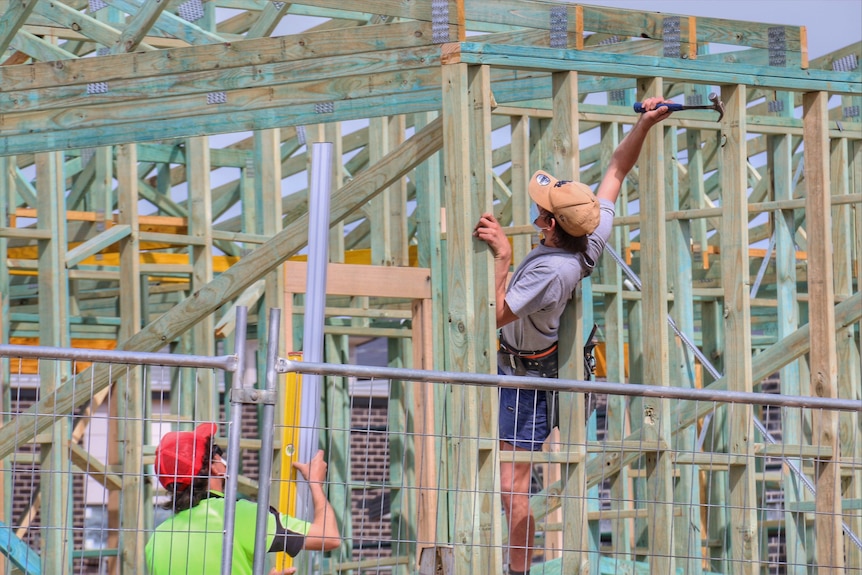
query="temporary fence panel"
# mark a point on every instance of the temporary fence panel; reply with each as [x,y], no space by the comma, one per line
[405,470]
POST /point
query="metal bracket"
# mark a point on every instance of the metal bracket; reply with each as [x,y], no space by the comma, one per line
[777,46]
[775,106]
[216,98]
[617,97]
[324,108]
[609,41]
[672,35]
[695,99]
[87,155]
[97,88]
[846,64]
[253,396]
[559,25]
[191,10]
[439,21]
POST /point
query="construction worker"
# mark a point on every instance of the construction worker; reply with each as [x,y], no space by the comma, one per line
[575,224]
[191,467]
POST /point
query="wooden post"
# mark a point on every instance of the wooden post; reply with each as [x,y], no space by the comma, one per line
[682,373]
[56,471]
[615,350]
[744,550]
[471,335]
[201,259]
[564,164]
[7,198]
[656,413]
[821,293]
[780,164]
[129,387]
[848,354]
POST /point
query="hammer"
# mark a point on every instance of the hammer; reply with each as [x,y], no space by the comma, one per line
[717,105]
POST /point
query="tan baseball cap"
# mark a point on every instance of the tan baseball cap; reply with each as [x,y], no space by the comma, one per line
[573,204]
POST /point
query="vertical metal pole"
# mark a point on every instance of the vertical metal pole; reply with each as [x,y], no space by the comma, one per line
[233,442]
[266,425]
[315,300]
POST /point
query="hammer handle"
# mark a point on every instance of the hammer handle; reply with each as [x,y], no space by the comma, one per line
[639,107]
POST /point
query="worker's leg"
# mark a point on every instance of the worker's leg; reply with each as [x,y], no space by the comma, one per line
[524,428]
[515,481]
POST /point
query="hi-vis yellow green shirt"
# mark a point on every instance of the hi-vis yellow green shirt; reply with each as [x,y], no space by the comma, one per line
[190,542]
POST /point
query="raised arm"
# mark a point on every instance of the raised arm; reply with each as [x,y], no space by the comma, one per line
[323,534]
[626,154]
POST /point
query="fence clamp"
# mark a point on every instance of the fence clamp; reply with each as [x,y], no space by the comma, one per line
[252,395]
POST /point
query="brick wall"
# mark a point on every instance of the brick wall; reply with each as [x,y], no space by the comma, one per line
[369,464]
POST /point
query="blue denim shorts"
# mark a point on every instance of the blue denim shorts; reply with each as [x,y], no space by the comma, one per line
[524,418]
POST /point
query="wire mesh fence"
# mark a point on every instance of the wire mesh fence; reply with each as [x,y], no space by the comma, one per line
[645,479]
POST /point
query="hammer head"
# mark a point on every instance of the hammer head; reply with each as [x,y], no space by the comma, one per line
[717,104]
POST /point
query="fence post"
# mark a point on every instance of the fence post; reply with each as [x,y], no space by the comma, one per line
[233,441]
[266,424]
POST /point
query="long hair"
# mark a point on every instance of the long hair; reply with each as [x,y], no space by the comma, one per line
[184,497]
[568,242]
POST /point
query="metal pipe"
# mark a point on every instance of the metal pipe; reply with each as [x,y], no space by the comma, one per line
[222,362]
[315,302]
[572,385]
[267,423]
[233,443]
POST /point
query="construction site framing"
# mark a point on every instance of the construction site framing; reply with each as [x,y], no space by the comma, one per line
[127,224]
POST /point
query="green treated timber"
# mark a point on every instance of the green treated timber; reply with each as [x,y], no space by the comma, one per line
[98,32]
[534,58]
[244,117]
[223,288]
[268,19]
[96,244]
[154,16]
[163,202]
[13,19]
[406,10]
[71,320]
[83,183]
[810,506]
[639,23]
[305,74]
[218,123]
[616,21]
[763,365]
[24,188]
[259,51]
[19,553]
[219,157]
[38,49]
[370,95]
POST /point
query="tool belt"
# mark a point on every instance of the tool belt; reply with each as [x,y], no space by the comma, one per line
[543,361]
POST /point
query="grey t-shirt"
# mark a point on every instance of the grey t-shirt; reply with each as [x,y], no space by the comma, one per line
[542,285]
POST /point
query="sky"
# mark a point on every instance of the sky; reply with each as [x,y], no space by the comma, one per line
[831,24]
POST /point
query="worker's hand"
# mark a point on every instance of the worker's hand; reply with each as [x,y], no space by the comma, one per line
[285,571]
[489,230]
[314,472]
[655,113]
